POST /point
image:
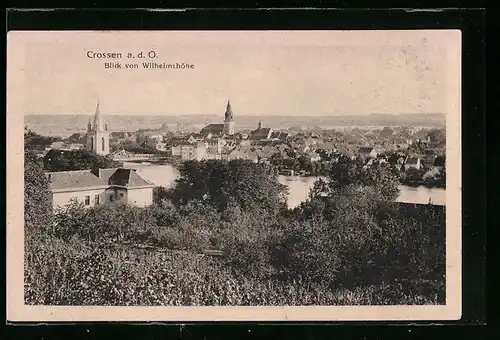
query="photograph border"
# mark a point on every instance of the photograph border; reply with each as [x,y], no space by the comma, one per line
[14,145]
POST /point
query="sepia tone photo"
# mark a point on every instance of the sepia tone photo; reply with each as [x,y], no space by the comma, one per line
[234,175]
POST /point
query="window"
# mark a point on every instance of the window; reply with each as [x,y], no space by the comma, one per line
[102,143]
[121,194]
[91,143]
[96,199]
[87,200]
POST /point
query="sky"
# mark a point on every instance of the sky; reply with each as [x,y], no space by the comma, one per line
[280,73]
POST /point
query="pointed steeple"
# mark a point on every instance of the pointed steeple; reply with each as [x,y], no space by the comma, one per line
[260,125]
[98,125]
[228,116]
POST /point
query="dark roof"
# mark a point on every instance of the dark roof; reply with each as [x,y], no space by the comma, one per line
[260,133]
[196,135]
[122,177]
[279,135]
[77,136]
[74,179]
[213,128]
[412,160]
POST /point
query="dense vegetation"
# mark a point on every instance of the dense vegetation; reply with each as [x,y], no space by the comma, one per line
[348,244]
[34,141]
[57,160]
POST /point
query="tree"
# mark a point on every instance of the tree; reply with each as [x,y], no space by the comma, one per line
[378,176]
[219,183]
[58,160]
[34,141]
[383,179]
[37,196]
[437,136]
[441,178]
[305,163]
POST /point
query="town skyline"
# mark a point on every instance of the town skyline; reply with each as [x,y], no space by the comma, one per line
[305,74]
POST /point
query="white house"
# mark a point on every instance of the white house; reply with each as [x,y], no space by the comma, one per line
[120,185]
[413,163]
[190,151]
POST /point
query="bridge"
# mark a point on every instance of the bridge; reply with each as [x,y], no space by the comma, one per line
[125,156]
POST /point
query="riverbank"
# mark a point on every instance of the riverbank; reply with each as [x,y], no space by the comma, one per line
[298,186]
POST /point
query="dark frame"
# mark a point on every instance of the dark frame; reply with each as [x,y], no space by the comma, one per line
[472,24]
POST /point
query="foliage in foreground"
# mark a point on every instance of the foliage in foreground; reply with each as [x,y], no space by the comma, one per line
[348,244]
[60,273]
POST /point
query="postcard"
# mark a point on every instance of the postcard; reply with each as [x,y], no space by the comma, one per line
[234,175]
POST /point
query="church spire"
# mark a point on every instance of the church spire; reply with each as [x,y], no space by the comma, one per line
[97,118]
[228,116]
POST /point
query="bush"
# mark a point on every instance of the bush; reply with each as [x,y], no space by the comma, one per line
[76,273]
[348,244]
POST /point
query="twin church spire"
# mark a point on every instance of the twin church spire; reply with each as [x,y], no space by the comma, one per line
[99,124]
[97,133]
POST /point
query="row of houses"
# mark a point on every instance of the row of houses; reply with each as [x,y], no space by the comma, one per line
[370,156]
[227,149]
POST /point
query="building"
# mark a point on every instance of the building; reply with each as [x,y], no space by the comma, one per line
[413,163]
[366,153]
[78,138]
[97,134]
[279,135]
[228,120]
[243,153]
[63,146]
[219,130]
[156,142]
[261,133]
[111,185]
[190,151]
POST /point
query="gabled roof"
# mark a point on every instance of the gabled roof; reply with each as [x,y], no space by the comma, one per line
[84,179]
[279,135]
[196,135]
[77,136]
[128,178]
[365,150]
[74,180]
[262,133]
[122,177]
[212,128]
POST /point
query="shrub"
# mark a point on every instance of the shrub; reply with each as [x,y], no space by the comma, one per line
[76,273]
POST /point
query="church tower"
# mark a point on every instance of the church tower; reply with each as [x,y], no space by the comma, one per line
[97,134]
[228,120]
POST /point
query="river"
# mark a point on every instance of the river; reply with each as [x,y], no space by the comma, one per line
[298,187]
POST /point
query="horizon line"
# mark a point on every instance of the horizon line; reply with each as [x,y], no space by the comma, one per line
[239,115]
